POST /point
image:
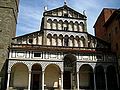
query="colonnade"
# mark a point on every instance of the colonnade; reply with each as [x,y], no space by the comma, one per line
[65,25]
[66,41]
[87,78]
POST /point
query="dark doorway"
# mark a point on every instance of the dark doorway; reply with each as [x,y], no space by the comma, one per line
[36,80]
[100,78]
[111,78]
[67,80]
[36,83]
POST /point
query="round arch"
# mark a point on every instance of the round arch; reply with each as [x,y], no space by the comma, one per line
[76,26]
[69,75]
[52,76]
[60,40]
[49,39]
[65,25]
[81,27]
[70,26]
[49,24]
[71,41]
[19,76]
[60,25]
[77,41]
[86,77]
[82,41]
[54,24]
[100,78]
[36,77]
[54,40]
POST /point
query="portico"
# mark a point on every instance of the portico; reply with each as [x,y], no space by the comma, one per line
[62,75]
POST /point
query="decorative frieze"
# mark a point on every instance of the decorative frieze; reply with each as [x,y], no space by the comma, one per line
[59,56]
[65,19]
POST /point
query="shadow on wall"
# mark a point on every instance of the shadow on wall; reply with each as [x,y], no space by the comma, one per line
[3,76]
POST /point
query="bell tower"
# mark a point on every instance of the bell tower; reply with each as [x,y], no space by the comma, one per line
[8,21]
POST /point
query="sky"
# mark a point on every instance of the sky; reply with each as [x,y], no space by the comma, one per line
[31,12]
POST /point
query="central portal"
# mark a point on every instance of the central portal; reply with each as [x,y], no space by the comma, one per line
[69,75]
[36,80]
[67,80]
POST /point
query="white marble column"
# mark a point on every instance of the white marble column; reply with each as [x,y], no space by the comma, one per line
[78,81]
[94,81]
[43,74]
[29,82]
[61,80]
[8,81]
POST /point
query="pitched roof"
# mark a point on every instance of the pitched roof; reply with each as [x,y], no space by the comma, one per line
[116,14]
[65,7]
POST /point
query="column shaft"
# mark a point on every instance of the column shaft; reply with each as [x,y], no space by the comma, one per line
[78,81]
[8,81]
[94,82]
[106,81]
[43,73]
[29,82]
[61,80]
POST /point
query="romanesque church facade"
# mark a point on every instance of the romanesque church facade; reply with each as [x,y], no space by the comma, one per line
[62,55]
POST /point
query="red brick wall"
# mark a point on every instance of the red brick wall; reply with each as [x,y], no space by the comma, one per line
[100,31]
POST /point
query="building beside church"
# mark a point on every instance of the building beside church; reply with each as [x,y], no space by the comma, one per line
[110,28]
[62,55]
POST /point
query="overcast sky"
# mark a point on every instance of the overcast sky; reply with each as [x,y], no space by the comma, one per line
[31,12]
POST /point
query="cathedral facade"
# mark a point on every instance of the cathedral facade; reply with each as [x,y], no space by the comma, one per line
[61,56]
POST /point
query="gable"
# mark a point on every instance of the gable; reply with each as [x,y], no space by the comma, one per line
[65,11]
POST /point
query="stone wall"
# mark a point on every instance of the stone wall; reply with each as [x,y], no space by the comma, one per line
[8,19]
